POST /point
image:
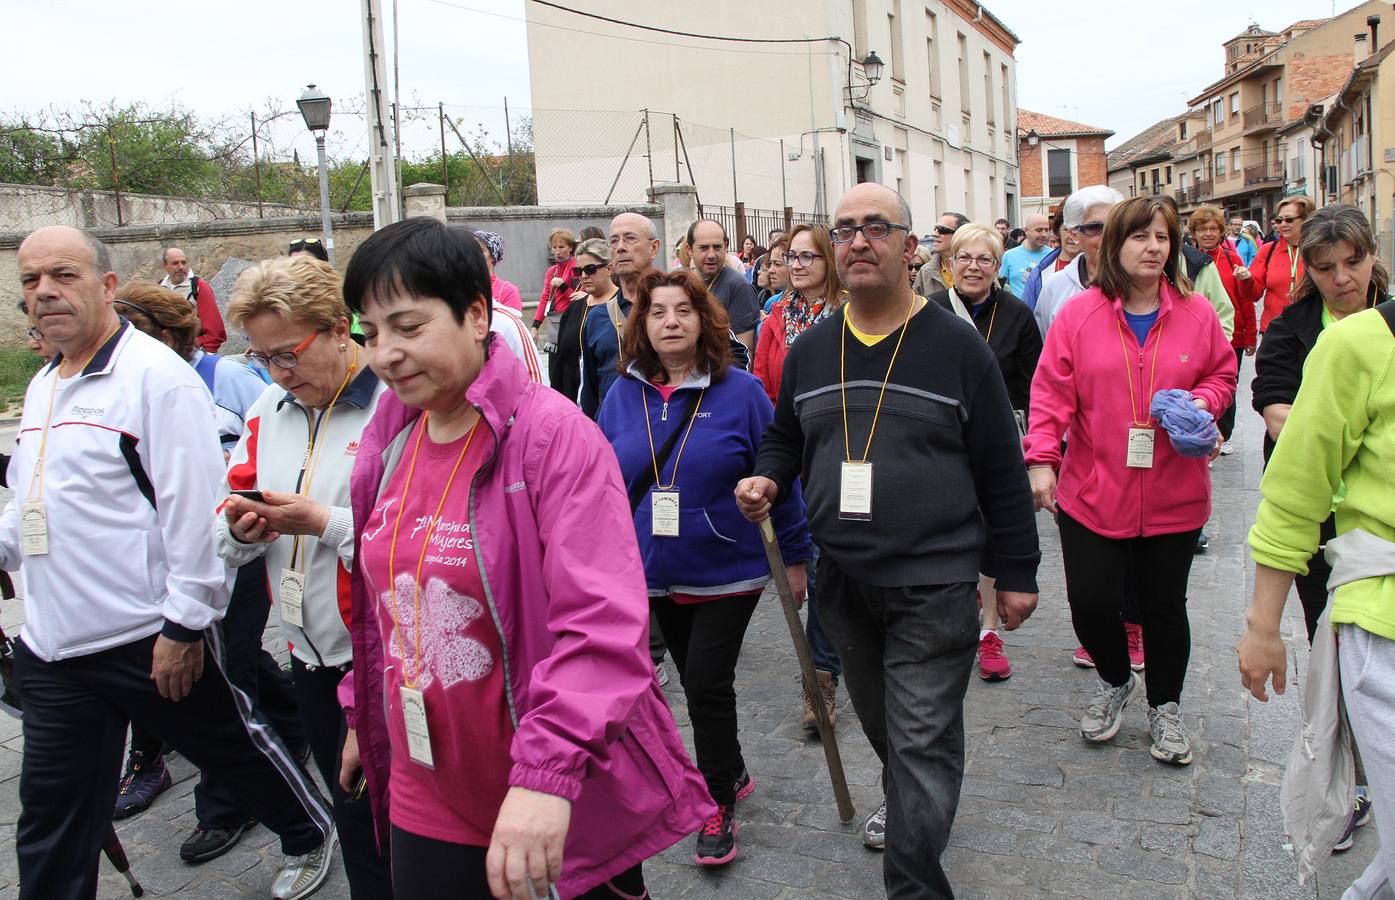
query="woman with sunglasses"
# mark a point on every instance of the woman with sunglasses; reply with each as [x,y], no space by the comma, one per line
[918,262]
[1082,215]
[1006,324]
[591,286]
[1278,267]
[309,247]
[288,502]
[1131,497]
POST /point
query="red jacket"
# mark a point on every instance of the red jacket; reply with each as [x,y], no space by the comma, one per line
[1080,386]
[214,333]
[1275,277]
[560,297]
[1226,260]
[771,350]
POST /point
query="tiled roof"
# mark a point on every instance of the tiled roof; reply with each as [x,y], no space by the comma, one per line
[1158,138]
[1050,126]
[1306,23]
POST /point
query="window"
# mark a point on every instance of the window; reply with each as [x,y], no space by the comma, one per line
[1220,164]
[964,103]
[1235,104]
[865,170]
[898,71]
[1235,160]
[932,58]
[1007,106]
[1143,182]
[1182,180]
[1217,112]
[1167,174]
[1278,91]
[1058,172]
[860,29]
[988,85]
[1181,131]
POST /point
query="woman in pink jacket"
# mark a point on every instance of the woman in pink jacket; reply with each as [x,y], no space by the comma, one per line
[1127,501]
[506,701]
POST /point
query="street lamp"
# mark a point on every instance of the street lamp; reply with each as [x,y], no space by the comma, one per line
[871,70]
[1033,138]
[314,108]
[872,67]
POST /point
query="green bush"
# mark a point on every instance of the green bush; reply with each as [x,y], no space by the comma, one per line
[17,368]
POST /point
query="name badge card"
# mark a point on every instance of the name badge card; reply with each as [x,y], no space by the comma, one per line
[1140,455]
[663,511]
[33,528]
[292,597]
[855,492]
[418,732]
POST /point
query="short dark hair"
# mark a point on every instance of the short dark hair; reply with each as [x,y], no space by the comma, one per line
[1003,222]
[960,220]
[1123,220]
[713,342]
[425,258]
[693,227]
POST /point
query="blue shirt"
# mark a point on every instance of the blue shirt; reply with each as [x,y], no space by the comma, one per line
[600,355]
[1141,323]
[1018,263]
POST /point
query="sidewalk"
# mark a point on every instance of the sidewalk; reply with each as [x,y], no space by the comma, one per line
[1043,814]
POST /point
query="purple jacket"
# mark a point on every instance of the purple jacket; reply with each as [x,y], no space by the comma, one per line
[555,545]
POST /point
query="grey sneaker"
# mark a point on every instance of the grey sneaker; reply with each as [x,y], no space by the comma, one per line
[1170,744]
[1106,711]
[302,876]
[874,829]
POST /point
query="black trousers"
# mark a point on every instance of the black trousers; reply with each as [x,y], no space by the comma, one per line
[316,689]
[75,716]
[439,870]
[907,656]
[1096,569]
[1226,423]
[1312,588]
[705,642]
[256,672]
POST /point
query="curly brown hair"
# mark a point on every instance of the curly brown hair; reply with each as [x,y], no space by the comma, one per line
[165,315]
[713,353]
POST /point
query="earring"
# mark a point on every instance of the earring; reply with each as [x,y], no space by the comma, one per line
[343,347]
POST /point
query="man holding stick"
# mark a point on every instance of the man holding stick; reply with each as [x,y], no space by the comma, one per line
[898,415]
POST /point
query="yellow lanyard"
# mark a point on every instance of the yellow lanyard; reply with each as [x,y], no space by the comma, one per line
[36,481]
[1128,374]
[1293,260]
[653,457]
[409,674]
[843,381]
[312,449]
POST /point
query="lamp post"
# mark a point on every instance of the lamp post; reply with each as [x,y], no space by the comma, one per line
[871,70]
[314,108]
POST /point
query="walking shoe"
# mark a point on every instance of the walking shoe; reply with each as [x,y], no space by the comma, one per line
[745,785]
[1203,543]
[716,843]
[828,691]
[1106,711]
[1082,658]
[993,663]
[1226,448]
[1135,637]
[874,829]
[302,876]
[1170,743]
[210,843]
[143,782]
[661,673]
[1360,815]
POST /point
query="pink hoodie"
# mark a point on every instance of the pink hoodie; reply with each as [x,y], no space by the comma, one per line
[1081,386]
[555,544]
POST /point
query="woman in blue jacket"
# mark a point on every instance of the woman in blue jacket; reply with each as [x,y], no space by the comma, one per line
[685,425]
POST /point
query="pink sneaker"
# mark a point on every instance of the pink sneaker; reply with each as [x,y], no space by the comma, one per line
[1082,658]
[1135,636]
[992,661]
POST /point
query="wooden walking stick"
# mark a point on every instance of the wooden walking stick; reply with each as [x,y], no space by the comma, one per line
[806,669]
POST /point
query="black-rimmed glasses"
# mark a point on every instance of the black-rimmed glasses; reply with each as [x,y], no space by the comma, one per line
[873,231]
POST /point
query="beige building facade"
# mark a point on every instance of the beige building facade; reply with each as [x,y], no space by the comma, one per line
[777,125]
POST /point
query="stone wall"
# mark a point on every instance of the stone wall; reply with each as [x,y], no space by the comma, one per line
[218,250]
[24,207]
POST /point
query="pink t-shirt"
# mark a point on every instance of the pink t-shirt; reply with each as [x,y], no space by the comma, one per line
[506,292]
[459,671]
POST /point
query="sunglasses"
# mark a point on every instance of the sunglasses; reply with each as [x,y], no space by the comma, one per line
[590,270]
[1089,228]
[1287,220]
[302,243]
[916,267]
[942,230]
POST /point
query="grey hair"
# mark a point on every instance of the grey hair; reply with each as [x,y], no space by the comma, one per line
[101,256]
[1079,203]
[597,247]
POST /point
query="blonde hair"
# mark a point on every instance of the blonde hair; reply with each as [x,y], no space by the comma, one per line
[1205,215]
[565,234]
[972,232]
[1304,204]
[154,309]
[297,288]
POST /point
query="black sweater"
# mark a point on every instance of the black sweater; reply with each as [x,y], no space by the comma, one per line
[1013,336]
[946,454]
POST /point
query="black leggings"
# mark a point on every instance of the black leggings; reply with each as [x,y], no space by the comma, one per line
[1312,588]
[1097,572]
[440,870]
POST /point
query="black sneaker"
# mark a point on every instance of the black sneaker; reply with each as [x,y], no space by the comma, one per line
[210,843]
[1203,543]
[143,782]
[745,785]
[1360,815]
[716,843]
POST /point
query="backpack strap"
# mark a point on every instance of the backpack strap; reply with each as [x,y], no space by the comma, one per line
[1273,245]
[194,290]
[1387,312]
[617,319]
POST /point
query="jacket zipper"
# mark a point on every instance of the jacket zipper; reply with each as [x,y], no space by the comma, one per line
[484,578]
[313,426]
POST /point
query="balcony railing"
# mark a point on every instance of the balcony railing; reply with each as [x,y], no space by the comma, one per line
[1264,115]
[1193,194]
[1265,172]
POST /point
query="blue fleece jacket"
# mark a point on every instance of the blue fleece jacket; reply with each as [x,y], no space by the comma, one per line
[1032,289]
[717,551]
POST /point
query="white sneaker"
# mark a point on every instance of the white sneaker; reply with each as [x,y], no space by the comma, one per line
[302,876]
[874,829]
[1226,448]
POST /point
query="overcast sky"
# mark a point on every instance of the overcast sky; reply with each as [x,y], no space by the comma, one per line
[1115,65]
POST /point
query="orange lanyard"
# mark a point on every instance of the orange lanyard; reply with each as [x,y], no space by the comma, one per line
[409,674]
[843,381]
[36,481]
[312,447]
[692,420]
[1128,374]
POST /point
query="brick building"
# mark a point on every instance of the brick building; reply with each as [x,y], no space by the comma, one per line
[1055,157]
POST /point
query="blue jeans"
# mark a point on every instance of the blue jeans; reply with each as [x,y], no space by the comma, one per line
[825,657]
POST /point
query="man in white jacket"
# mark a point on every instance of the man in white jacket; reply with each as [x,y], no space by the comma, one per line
[115,471]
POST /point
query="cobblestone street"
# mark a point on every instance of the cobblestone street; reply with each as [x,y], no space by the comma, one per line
[1043,814]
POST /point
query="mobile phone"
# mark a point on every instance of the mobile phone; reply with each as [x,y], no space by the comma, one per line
[254,496]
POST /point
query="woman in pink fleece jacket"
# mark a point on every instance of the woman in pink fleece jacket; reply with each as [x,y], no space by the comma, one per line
[510,730]
[1126,502]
